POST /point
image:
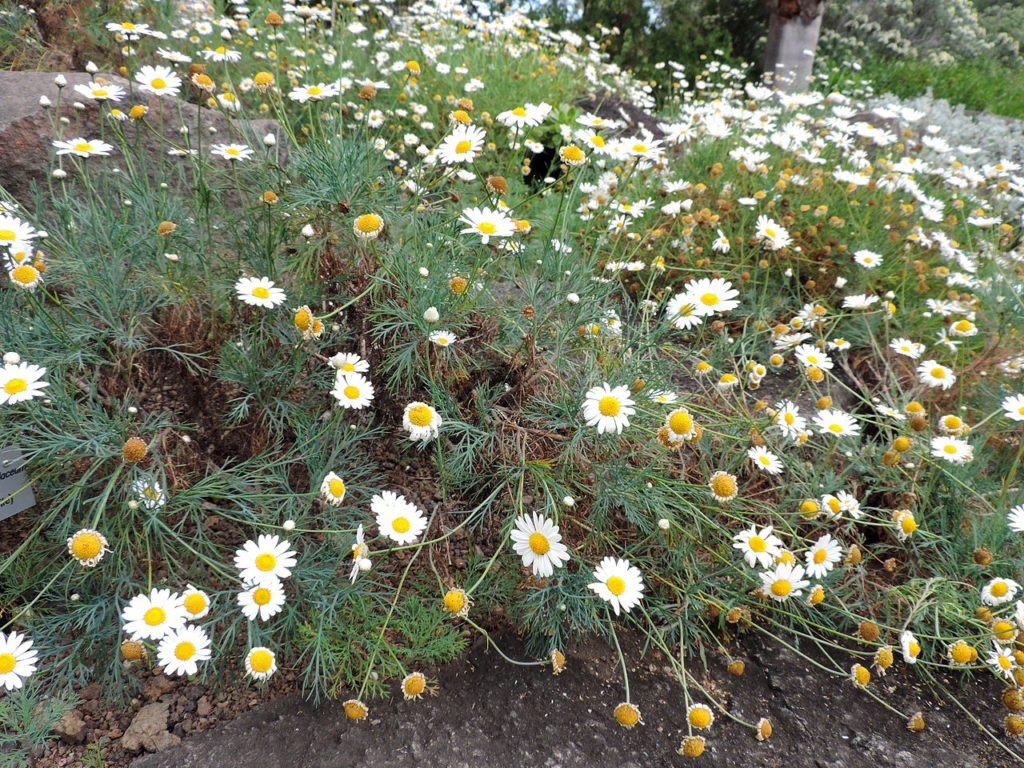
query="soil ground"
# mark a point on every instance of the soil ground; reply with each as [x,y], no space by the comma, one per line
[490,714]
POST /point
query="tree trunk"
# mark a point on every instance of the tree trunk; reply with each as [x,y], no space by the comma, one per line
[793,30]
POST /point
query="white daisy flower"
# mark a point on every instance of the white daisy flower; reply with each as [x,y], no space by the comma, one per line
[20,382]
[314,92]
[360,555]
[352,390]
[195,602]
[150,617]
[269,558]
[486,223]
[83,147]
[680,425]
[443,338]
[88,546]
[711,296]
[788,419]
[100,91]
[619,583]
[1015,518]
[462,145]
[149,492]
[765,460]
[421,421]
[537,541]
[772,233]
[1002,661]
[608,408]
[932,374]
[1013,407]
[952,449]
[910,647]
[822,556]
[682,312]
[348,362]
[260,663]
[809,355]
[836,423]
[259,292]
[333,489]
[783,582]
[181,650]
[25,276]
[261,599]
[867,259]
[159,80]
[232,152]
[999,591]
[17,660]
[758,547]
[397,519]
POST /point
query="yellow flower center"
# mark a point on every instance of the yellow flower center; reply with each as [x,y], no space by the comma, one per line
[303,319]
[700,717]
[14,386]
[597,141]
[757,544]
[260,292]
[348,367]
[609,406]
[709,299]
[25,274]
[233,151]
[261,596]
[519,112]
[999,588]
[572,153]
[952,422]
[908,524]
[195,603]
[463,147]
[539,543]
[487,227]
[351,392]
[950,449]
[819,556]
[639,147]
[723,485]
[962,653]
[155,616]
[616,585]
[260,660]
[938,373]
[100,93]
[7,662]
[420,415]
[158,83]
[83,146]
[6,234]
[220,49]
[266,561]
[336,487]
[185,650]
[680,422]
[86,546]
[414,685]
[401,524]
[369,222]
[314,90]
[128,25]
[454,600]
[781,587]
[1005,662]
[837,428]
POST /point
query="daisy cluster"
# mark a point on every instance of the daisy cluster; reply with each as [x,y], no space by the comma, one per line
[751,358]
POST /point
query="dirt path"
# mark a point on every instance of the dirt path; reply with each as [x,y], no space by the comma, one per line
[490,714]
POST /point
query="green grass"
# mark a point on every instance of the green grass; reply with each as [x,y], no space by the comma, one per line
[980,85]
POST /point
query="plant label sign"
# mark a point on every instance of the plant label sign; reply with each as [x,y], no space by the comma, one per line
[15,490]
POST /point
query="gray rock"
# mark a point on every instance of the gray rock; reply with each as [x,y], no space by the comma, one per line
[26,128]
[148,730]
